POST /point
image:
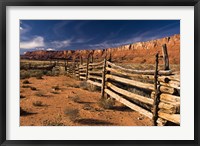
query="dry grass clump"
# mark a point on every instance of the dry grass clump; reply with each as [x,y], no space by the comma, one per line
[40,94]
[24,74]
[75,85]
[33,88]
[83,85]
[37,103]
[52,123]
[56,88]
[107,103]
[75,98]
[26,86]
[56,122]
[55,92]
[39,75]
[49,73]
[22,111]
[52,73]
[73,114]
[86,86]
[142,93]
[22,96]
[139,92]
[93,88]
[26,82]
[87,107]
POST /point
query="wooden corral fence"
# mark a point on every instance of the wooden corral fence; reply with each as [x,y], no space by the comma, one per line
[161,101]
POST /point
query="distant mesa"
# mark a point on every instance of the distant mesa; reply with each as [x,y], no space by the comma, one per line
[141,52]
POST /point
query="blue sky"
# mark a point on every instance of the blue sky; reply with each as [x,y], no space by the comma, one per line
[91,34]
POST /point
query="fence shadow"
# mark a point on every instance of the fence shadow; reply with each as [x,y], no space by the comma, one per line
[85,102]
[121,108]
[93,122]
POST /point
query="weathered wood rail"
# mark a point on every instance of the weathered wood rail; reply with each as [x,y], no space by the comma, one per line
[111,78]
[161,101]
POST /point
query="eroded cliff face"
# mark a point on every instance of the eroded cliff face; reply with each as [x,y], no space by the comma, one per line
[141,52]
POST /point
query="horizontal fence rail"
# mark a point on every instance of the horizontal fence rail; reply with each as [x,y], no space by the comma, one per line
[109,77]
[152,93]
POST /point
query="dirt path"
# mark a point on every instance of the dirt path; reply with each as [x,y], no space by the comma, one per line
[59,101]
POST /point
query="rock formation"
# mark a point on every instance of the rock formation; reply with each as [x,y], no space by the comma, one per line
[141,52]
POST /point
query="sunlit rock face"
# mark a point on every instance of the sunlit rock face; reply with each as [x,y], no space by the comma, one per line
[141,52]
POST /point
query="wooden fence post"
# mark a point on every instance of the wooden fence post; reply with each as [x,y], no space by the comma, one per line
[78,72]
[87,66]
[65,64]
[110,57]
[92,57]
[103,79]
[165,57]
[67,69]
[156,100]
[81,60]
[73,69]
[107,72]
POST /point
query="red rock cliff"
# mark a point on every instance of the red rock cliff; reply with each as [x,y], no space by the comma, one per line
[141,52]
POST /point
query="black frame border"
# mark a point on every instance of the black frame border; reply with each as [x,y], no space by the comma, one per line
[5,3]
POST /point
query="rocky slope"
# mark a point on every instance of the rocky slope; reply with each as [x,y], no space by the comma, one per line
[141,52]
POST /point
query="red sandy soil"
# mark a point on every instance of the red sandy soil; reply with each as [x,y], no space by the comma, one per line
[53,108]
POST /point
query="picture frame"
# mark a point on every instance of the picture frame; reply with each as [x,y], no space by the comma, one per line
[102,3]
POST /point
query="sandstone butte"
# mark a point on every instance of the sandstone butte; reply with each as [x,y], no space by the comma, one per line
[140,52]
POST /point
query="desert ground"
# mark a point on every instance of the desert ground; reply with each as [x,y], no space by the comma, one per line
[58,101]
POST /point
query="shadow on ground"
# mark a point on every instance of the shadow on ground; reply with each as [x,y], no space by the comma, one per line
[84,102]
[93,122]
[121,108]
[25,113]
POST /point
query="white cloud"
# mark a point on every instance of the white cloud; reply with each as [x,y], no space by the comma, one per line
[50,49]
[36,42]
[24,29]
[61,44]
